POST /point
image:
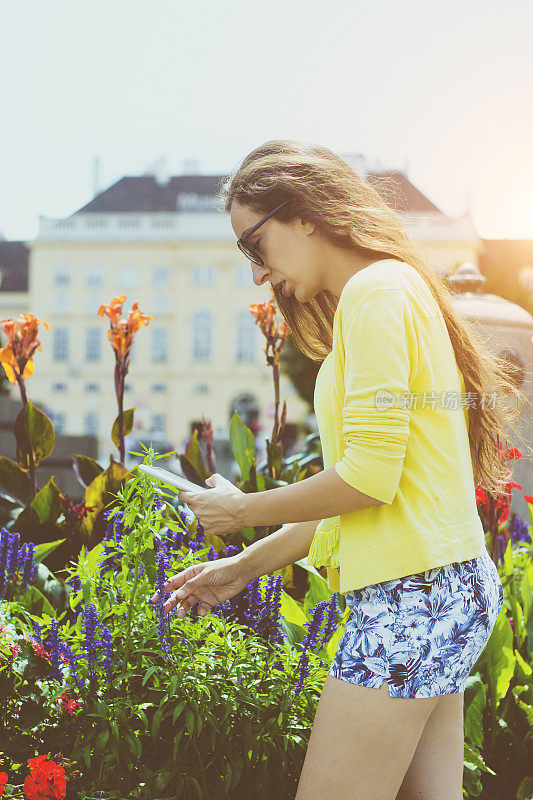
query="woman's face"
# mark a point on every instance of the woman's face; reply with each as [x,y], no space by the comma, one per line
[290,251]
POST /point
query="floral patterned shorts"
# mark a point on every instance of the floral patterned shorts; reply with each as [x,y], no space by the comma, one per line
[422,633]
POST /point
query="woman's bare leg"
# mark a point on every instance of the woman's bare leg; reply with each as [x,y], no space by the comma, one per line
[436,770]
[362,742]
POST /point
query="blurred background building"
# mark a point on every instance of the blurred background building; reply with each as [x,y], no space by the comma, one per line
[161,240]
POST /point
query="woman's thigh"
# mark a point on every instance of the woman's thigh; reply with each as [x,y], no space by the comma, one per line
[361,743]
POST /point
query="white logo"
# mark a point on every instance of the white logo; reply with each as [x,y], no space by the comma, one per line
[383,399]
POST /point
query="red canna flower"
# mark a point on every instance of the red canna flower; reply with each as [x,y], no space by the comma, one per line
[528,498]
[3,782]
[513,452]
[17,355]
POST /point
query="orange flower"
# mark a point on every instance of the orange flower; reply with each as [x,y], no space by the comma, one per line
[122,331]
[16,356]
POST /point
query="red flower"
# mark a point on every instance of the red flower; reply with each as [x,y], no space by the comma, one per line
[528,498]
[3,781]
[481,495]
[46,780]
[69,703]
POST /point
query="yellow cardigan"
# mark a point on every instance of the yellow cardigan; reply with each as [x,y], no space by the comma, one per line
[392,415]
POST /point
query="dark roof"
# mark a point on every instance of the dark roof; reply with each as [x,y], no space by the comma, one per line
[13,266]
[145,194]
[399,192]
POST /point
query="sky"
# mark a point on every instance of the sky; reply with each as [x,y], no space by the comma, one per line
[441,90]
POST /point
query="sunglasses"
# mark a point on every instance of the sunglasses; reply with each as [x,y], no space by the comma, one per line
[248,251]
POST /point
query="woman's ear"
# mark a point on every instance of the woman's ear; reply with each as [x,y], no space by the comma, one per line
[307,226]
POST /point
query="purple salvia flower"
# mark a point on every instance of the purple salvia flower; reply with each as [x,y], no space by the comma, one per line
[30,567]
[303,672]
[331,622]
[230,550]
[73,663]
[309,643]
[253,597]
[163,626]
[520,532]
[276,634]
[186,517]
[90,616]
[200,533]
[54,648]
[37,633]
[178,539]
[212,554]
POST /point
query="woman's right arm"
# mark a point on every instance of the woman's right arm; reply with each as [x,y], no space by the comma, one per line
[285,546]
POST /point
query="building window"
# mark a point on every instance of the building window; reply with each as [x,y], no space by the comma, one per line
[246,337]
[243,275]
[161,276]
[60,347]
[90,423]
[92,387]
[59,421]
[159,424]
[62,277]
[202,329]
[159,345]
[128,277]
[159,388]
[161,304]
[200,388]
[93,344]
[203,275]
[93,301]
[61,303]
[128,387]
[59,387]
[94,276]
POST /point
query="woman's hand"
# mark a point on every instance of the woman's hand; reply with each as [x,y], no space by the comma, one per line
[208,584]
[218,510]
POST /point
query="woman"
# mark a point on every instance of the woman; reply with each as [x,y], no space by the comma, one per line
[393,514]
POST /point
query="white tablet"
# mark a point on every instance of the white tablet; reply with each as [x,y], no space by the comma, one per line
[175,480]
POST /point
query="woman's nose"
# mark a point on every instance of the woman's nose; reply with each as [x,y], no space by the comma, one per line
[260,274]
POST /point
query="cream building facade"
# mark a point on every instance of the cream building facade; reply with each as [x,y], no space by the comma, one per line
[162,242]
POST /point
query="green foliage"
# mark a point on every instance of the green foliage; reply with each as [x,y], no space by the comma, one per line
[498,702]
[214,714]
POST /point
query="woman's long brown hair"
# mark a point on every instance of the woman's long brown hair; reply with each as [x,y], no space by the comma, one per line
[324,189]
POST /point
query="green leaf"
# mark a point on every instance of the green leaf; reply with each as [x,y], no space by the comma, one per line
[34,433]
[35,521]
[499,658]
[302,562]
[14,481]
[127,422]
[291,610]
[243,445]
[149,671]
[177,711]
[156,722]
[317,592]
[43,550]
[333,643]
[86,468]
[473,716]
